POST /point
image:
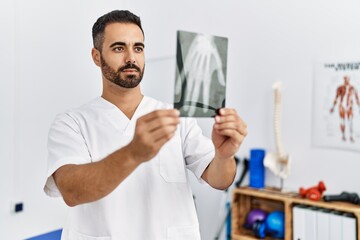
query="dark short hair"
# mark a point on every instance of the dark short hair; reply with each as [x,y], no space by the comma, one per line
[116,16]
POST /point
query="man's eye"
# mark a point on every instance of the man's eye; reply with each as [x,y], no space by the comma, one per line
[139,49]
[118,49]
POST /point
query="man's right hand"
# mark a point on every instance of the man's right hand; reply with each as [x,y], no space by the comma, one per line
[152,131]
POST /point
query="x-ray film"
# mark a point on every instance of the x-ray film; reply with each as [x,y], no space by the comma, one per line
[200,83]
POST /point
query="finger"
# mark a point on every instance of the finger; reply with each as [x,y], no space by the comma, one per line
[159,113]
[206,94]
[207,68]
[227,111]
[234,135]
[157,123]
[221,77]
[162,133]
[231,121]
[219,71]
[229,115]
[157,145]
[195,72]
[226,118]
[232,126]
[161,142]
[156,119]
[194,98]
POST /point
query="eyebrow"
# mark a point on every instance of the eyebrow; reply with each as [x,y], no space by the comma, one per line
[123,44]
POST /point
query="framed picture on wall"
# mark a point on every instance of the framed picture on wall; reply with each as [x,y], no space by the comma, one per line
[336,108]
[200,83]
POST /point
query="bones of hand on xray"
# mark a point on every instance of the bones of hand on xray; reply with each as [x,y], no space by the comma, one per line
[199,65]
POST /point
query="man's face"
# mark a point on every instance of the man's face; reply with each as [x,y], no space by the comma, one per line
[122,55]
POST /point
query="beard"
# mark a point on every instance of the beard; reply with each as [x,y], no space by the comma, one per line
[131,80]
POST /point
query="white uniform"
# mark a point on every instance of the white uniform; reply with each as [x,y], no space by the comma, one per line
[155,201]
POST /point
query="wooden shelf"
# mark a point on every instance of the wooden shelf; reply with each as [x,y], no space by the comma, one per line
[271,199]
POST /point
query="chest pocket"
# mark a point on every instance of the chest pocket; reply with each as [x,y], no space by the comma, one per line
[172,163]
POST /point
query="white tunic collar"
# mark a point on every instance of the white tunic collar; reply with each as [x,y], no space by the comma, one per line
[117,119]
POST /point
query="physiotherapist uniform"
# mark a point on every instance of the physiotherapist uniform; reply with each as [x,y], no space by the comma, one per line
[155,201]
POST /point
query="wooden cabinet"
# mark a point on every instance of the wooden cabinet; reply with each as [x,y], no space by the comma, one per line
[269,199]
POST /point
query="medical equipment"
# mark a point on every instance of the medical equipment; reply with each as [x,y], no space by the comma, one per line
[278,162]
[313,193]
[343,197]
[254,216]
[257,169]
[273,226]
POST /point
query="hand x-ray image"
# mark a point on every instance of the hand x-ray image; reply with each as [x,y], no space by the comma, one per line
[200,83]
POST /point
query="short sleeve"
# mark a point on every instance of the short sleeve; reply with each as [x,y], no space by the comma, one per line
[66,145]
[198,150]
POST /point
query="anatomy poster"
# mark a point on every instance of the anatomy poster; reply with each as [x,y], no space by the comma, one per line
[336,108]
[200,83]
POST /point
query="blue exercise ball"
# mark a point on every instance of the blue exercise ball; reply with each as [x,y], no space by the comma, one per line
[275,224]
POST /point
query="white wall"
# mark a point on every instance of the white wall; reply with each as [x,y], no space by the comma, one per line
[268,41]
[7,16]
[46,68]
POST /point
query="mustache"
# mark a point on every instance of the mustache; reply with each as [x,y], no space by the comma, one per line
[129,65]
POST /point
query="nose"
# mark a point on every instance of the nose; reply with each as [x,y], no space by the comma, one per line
[130,58]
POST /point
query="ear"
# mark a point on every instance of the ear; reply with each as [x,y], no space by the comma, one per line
[96,56]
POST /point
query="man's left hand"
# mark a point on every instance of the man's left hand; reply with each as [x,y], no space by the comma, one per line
[228,133]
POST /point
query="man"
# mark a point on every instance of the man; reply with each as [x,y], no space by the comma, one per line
[120,161]
[345,93]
